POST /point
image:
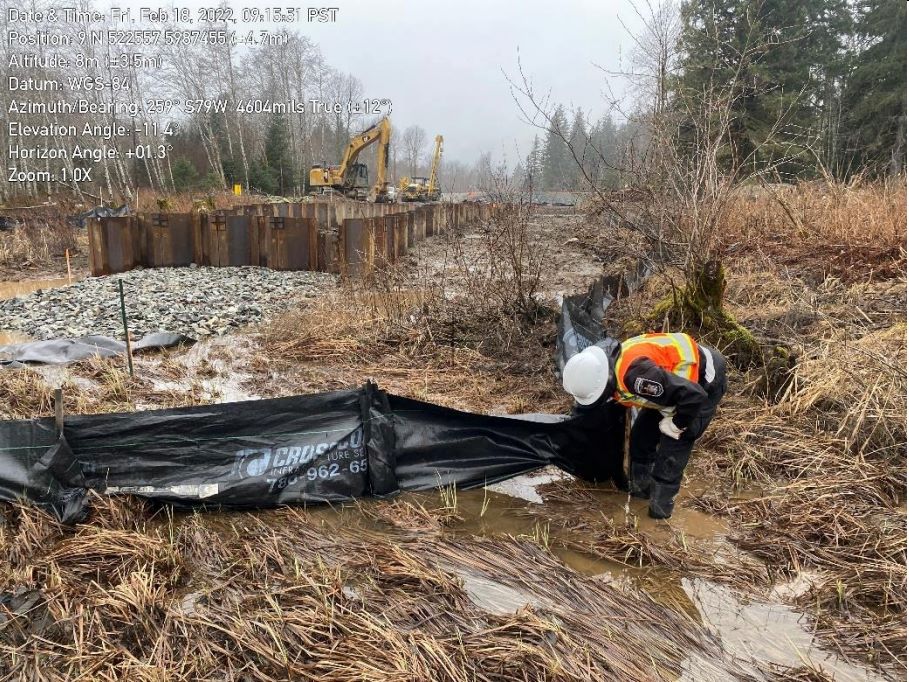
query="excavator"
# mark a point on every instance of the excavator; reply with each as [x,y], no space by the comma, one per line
[351,178]
[422,188]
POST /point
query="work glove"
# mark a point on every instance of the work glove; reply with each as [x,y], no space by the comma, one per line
[668,428]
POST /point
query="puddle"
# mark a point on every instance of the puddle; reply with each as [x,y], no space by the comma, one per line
[493,596]
[206,363]
[27,286]
[20,288]
[525,487]
[766,633]
[759,634]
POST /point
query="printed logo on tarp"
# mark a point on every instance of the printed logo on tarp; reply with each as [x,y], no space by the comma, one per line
[283,465]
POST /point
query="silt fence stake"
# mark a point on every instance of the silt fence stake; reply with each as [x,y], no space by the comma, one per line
[129,347]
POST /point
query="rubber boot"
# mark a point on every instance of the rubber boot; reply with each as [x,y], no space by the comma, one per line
[641,480]
[662,500]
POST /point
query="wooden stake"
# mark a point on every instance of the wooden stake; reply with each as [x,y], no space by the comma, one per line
[58,410]
[129,347]
[69,270]
[626,444]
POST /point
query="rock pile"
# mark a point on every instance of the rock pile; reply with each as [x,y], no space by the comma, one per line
[196,301]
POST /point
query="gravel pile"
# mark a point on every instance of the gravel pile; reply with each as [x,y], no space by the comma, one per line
[196,301]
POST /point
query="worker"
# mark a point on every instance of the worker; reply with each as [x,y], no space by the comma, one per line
[676,385]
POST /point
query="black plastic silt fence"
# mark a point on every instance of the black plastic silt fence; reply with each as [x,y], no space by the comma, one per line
[287,451]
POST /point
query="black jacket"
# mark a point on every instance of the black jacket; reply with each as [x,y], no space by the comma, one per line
[656,385]
[651,382]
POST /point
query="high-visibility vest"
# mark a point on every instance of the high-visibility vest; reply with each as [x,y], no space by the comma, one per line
[676,353]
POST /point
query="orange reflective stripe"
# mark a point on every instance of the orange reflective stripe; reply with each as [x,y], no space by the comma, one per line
[675,352]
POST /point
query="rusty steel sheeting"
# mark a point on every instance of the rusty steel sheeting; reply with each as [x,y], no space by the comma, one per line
[327,235]
[356,247]
[113,245]
[167,239]
[292,243]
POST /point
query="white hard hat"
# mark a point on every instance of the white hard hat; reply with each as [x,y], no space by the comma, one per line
[586,374]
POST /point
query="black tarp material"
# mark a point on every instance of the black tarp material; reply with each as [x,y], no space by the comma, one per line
[316,448]
[581,323]
[64,351]
[582,319]
[80,219]
[285,451]
[37,465]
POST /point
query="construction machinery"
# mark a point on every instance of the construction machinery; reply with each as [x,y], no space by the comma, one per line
[422,188]
[351,178]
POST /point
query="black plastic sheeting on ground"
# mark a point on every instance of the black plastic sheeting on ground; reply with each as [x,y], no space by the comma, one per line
[288,451]
[326,447]
[581,323]
[63,351]
[80,219]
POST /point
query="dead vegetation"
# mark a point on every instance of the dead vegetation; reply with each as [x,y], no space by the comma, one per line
[853,233]
[472,334]
[810,478]
[276,596]
[101,385]
[31,245]
[38,237]
[829,451]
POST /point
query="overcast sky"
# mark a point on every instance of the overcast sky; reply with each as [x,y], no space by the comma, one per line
[441,63]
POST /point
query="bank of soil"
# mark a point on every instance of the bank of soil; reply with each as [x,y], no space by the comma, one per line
[542,577]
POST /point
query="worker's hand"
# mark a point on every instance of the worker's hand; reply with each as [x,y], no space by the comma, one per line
[668,428]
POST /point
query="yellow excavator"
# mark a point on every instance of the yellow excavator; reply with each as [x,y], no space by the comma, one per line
[351,178]
[422,188]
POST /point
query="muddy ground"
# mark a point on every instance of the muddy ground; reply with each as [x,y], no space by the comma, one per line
[785,558]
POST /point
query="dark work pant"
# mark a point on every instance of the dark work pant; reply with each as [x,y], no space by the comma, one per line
[669,457]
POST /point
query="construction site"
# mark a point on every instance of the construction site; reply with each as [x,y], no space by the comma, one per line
[314,413]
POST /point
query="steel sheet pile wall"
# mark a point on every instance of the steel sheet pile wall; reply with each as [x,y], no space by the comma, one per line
[340,236]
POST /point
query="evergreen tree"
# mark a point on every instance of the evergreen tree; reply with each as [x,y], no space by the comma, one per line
[277,155]
[184,174]
[262,178]
[534,164]
[875,98]
[773,59]
[558,169]
[577,139]
[604,153]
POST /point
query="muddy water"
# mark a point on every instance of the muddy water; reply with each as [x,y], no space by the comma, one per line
[758,633]
[20,288]
[26,286]
[764,632]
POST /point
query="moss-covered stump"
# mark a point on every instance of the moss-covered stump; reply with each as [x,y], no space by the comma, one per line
[778,363]
[698,308]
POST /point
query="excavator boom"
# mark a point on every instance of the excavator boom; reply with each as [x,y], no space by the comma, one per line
[343,178]
[421,188]
[434,190]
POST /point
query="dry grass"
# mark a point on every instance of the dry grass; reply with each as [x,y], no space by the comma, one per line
[101,385]
[850,232]
[805,673]
[825,508]
[273,596]
[819,270]
[411,515]
[24,395]
[856,390]
[339,340]
[36,243]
